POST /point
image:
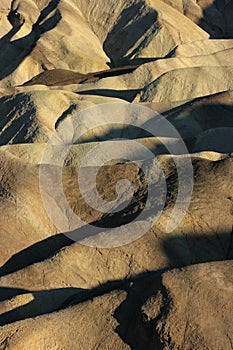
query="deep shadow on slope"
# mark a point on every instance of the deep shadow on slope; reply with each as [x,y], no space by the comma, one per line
[137,24]
[42,250]
[134,329]
[35,253]
[217,19]
[191,120]
[127,95]
[14,52]
[43,302]
[14,127]
[195,118]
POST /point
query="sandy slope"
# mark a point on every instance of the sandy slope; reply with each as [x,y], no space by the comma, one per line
[58,59]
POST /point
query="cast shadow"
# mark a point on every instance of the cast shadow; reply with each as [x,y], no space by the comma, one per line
[217,19]
[138,27]
[139,332]
[127,95]
[14,52]
[39,303]
[134,329]
[35,253]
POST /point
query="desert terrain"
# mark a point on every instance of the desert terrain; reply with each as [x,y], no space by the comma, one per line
[116,193]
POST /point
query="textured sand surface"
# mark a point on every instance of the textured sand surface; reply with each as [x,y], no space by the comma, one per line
[62,287]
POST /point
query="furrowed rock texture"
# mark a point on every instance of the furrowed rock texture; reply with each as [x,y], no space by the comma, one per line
[196,300]
[65,68]
[211,15]
[86,35]
[87,332]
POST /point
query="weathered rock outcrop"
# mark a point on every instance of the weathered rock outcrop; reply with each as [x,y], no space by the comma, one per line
[63,284]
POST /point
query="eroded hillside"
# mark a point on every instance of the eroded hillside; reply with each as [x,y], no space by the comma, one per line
[143,91]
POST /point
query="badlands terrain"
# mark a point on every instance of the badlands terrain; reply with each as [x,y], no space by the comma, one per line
[143,91]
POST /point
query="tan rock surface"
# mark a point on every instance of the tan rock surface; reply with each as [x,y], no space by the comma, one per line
[197,300]
[63,287]
[196,239]
[76,327]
